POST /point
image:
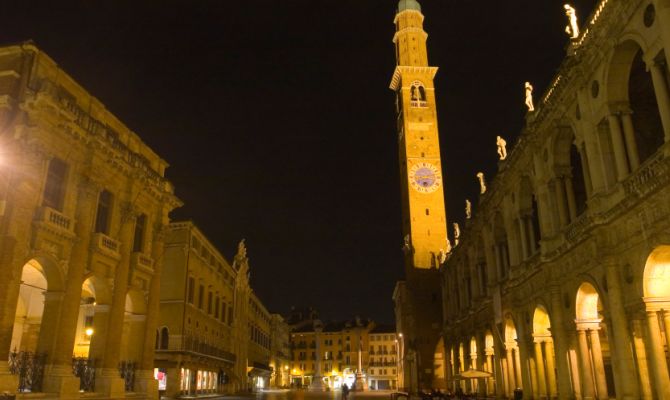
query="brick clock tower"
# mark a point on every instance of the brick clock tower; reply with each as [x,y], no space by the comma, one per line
[417,299]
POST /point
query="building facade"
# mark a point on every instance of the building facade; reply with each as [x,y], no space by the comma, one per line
[417,299]
[559,285]
[280,352]
[335,351]
[384,354]
[194,340]
[260,347]
[84,208]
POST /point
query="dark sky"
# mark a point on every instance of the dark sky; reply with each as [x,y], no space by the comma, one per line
[278,123]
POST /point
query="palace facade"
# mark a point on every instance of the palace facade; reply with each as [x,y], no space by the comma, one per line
[560,285]
[84,210]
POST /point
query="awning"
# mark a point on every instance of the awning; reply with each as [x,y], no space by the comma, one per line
[472,374]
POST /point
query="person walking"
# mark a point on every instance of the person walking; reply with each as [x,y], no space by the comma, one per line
[345,392]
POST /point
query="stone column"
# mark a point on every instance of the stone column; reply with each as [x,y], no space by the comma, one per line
[666,325]
[541,373]
[511,376]
[641,358]
[58,377]
[99,339]
[551,368]
[532,244]
[573,363]
[146,382]
[534,386]
[317,381]
[662,96]
[598,367]
[561,202]
[517,368]
[586,170]
[659,366]
[109,380]
[629,136]
[588,389]
[561,340]
[525,253]
[618,147]
[491,369]
[506,382]
[570,192]
[621,351]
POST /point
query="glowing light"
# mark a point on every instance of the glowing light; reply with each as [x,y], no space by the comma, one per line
[89,331]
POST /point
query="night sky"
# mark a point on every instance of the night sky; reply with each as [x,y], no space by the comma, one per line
[279,126]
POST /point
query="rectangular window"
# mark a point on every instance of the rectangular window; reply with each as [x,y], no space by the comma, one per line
[230,314]
[140,229]
[54,188]
[201,296]
[209,303]
[191,290]
[216,308]
[104,212]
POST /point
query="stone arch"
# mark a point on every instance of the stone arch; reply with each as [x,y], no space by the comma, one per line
[96,298]
[596,371]
[631,95]
[656,278]
[544,354]
[512,363]
[541,321]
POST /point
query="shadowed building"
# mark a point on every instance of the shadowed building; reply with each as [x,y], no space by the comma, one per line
[560,284]
[418,298]
[84,207]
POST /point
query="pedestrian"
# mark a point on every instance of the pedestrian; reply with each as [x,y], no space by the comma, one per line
[345,392]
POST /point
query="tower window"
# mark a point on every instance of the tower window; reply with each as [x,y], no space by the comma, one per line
[418,95]
[427,211]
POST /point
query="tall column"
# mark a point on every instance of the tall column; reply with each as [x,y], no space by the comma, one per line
[511,375]
[532,242]
[641,359]
[631,144]
[507,381]
[570,193]
[58,376]
[110,381]
[622,355]
[491,369]
[561,202]
[598,366]
[541,374]
[586,171]
[588,389]
[662,96]
[666,325]
[525,253]
[561,340]
[499,265]
[659,366]
[146,382]
[535,388]
[618,147]
[551,368]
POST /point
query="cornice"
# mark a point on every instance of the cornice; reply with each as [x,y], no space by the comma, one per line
[401,70]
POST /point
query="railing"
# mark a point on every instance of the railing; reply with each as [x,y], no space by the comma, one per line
[194,345]
[578,226]
[127,372]
[30,369]
[84,369]
[653,173]
[56,219]
[106,244]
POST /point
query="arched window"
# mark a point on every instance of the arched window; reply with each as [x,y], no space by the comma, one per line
[418,95]
[165,338]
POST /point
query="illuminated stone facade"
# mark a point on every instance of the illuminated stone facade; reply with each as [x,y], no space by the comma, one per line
[559,285]
[84,206]
[424,223]
[335,348]
[280,350]
[382,371]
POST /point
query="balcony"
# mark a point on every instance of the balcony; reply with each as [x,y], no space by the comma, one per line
[106,245]
[55,222]
[141,262]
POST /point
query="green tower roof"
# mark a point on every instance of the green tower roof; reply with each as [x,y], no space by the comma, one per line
[408,5]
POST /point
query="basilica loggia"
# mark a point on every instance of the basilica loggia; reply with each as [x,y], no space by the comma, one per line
[560,284]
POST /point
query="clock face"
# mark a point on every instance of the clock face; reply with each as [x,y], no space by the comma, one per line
[425,177]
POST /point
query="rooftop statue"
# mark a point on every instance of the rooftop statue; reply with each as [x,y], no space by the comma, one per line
[457,233]
[449,248]
[482,183]
[529,96]
[502,148]
[241,249]
[468,209]
[573,27]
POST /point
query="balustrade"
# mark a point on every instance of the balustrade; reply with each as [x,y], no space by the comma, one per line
[29,367]
[84,369]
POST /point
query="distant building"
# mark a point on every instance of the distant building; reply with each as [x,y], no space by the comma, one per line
[383,368]
[259,353]
[280,358]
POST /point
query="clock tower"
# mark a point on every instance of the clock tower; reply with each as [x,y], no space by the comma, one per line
[418,298]
[424,217]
